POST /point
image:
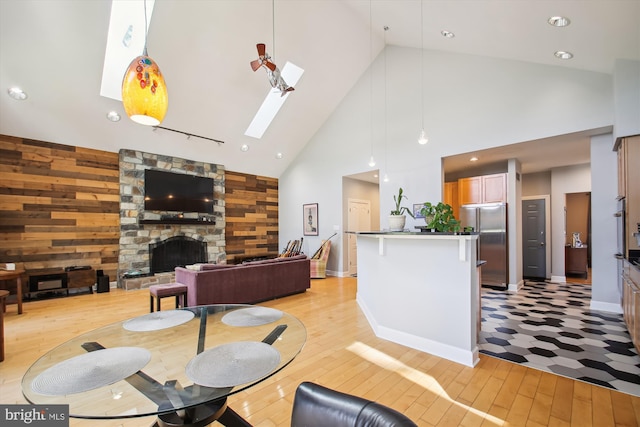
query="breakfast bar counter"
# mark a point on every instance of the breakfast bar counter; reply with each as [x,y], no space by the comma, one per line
[421,290]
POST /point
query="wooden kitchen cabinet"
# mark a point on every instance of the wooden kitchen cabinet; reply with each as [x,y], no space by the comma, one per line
[494,188]
[628,150]
[622,169]
[632,189]
[635,330]
[483,189]
[470,190]
[631,301]
[451,196]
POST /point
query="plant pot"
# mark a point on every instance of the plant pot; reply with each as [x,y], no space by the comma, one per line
[396,222]
[428,219]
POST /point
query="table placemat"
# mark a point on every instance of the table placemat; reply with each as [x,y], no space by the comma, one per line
[158,320]
[232,364]
[252,316]
[91,370]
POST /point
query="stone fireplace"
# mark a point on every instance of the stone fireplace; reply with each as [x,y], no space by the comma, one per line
[140,230]
[176,251]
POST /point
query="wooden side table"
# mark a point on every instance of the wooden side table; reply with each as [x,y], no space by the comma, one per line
[10,275]
[575,261]
[3,295]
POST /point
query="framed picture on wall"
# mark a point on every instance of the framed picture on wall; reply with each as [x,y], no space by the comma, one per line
[416,210]
[310,219]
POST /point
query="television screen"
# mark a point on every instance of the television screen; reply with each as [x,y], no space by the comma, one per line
[177,192]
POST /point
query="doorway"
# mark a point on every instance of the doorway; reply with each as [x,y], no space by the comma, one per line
[358,219]
[578,235]
[536,232]
[534,239]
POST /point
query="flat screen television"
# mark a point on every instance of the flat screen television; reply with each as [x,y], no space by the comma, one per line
[177,192]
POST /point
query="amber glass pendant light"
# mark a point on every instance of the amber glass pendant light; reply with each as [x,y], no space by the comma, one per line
[144,92]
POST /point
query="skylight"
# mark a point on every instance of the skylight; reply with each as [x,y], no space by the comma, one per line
[271,105]
[125,41]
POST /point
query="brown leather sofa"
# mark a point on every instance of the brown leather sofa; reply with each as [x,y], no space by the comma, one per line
[246,283]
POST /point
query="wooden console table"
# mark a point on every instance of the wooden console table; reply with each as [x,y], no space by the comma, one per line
[575,261]
[71,279]
[10,275]
[3,295]
[81,279]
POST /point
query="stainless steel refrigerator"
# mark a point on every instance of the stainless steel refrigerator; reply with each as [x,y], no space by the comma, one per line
[490,220]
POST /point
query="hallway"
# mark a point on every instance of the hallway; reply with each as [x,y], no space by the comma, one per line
[549,326]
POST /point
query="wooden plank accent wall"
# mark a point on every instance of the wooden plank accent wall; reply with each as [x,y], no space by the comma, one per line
[59,205]
[251,208]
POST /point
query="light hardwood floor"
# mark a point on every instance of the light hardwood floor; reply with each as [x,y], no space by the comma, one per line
[341,353]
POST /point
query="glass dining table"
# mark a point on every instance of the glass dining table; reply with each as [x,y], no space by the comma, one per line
[179,365]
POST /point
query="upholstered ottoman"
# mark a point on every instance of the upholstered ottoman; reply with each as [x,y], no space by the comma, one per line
[177,290]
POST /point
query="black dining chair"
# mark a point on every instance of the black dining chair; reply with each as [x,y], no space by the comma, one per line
[318,406]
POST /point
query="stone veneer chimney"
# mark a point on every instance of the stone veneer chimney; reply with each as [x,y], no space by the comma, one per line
[139,228]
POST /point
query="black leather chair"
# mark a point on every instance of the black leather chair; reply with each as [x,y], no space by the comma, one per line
[317,406]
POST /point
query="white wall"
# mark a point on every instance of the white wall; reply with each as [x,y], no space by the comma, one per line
[536,184]
[514,224]
[471,103]
[626,85]
[605,294]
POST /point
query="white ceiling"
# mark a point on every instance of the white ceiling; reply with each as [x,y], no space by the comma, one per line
[54,50]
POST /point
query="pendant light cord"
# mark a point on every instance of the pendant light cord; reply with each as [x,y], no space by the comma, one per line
[371,77]
[422,61]
[385,99]
[273,28]
[144,51]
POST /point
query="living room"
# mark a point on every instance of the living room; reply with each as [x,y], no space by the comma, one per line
[474,102]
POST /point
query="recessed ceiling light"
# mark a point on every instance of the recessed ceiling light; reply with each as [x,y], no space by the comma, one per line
[561,54]
[278,155]
[447,34]
[113,116]
[559,21]
[473,159]
[244,147]
[17,93]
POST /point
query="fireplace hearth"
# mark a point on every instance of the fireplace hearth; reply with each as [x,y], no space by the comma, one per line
[176,251]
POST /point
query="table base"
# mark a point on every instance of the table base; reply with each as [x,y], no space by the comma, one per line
[202,415]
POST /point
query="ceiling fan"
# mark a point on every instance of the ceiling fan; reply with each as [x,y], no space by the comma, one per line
[273,72]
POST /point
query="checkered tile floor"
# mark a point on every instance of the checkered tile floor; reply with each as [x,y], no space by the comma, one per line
[550,327]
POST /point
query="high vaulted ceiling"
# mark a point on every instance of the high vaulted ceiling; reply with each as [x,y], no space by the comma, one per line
[54,50]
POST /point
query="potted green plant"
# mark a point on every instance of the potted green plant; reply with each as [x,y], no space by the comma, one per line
[440,217]
[397,218]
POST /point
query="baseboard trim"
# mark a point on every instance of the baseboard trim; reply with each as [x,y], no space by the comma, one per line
[606,306]
[515,287]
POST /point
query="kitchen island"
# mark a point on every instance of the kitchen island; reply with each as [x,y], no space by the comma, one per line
[421,290]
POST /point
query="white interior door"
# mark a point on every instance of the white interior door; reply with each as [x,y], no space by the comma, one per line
[358,219]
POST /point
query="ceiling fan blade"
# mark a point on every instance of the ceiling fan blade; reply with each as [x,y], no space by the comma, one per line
[270,65]
[255,64]
[261,49]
